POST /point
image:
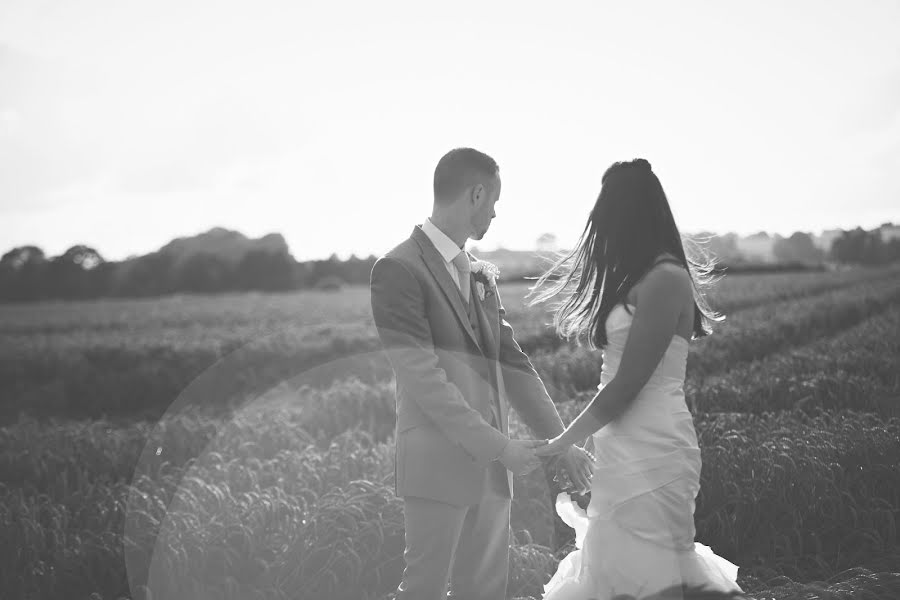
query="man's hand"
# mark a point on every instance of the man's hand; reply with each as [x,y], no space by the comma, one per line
[519,456]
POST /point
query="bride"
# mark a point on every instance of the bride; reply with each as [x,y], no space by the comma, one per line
[631,291]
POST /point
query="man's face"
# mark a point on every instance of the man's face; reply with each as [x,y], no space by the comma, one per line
[483,201]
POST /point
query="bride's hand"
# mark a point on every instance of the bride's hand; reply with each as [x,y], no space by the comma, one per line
[551,448]
[580,465]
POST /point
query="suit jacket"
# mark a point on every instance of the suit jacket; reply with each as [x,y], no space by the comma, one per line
[447,381]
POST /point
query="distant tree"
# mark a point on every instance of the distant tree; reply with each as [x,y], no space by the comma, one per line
[205,273]
[17,258]
[261,269]
[81,272]
[354,270]
[864,247]
[303,274]
[101,278]
[148,275]
[324,268]
[357,270]
[889,232]
[723,247]
[756,247]
[69,275]
[23,274]
[8,283]
[799,247]
[84,256]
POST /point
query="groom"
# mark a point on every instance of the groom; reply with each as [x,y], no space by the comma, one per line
[456,365]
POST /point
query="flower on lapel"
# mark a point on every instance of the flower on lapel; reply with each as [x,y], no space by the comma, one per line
[485,274]
[479,288]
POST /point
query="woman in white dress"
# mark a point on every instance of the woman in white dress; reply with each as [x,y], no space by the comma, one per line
[629,289]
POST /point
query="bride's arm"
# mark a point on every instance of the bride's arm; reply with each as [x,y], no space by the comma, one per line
[652,327]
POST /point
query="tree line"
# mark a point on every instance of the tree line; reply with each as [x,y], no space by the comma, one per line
[27,274]
[856,246]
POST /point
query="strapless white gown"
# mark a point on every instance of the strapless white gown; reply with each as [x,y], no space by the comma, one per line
[637,535]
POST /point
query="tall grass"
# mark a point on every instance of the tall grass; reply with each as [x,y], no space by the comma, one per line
[127,358]
[270,474]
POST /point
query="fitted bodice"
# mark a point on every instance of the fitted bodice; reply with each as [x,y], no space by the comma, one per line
[669,373]
[658,415]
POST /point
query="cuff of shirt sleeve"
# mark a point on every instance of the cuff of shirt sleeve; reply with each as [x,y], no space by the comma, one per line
[492,450]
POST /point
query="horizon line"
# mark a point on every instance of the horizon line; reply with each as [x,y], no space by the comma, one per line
[473,243]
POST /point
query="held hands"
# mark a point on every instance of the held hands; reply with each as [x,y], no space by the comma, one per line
[519,456]
[523,456]
[577,461]
[580,465]
[551,447]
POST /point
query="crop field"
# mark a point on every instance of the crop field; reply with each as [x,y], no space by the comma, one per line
[240,446]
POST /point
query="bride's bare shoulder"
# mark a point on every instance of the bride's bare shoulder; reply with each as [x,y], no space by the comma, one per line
[667,276]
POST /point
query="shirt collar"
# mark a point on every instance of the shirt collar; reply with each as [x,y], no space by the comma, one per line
[445,246]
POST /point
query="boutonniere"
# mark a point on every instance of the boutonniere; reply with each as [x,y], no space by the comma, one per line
[486,274]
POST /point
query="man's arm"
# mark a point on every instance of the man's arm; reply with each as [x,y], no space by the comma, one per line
[399,310]
[524,388]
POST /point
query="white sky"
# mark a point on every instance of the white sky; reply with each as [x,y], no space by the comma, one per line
[125,124]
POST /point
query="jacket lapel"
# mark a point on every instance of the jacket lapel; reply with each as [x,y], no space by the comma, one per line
[435,263]
[487,326]
[490,341]
[492,311]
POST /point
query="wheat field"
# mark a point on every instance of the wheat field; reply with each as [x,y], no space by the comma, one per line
[240,446]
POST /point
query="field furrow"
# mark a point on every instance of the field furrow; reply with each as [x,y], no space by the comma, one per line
[857,368]
[242,446]
[746,336]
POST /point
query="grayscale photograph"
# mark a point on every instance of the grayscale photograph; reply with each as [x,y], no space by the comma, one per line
[489,300]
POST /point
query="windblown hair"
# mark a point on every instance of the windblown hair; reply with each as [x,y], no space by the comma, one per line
[630,225]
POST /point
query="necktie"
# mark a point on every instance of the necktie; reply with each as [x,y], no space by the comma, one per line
[461,261]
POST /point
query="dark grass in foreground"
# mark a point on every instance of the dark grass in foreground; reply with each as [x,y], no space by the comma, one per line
[802,493]
[255,505]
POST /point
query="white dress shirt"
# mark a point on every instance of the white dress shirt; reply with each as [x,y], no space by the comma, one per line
[445,246]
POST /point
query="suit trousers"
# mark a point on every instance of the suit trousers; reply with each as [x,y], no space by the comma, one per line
[466,547]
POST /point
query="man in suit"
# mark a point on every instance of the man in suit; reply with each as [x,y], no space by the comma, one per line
[457,364]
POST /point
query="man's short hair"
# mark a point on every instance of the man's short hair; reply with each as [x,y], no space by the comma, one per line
[461,168]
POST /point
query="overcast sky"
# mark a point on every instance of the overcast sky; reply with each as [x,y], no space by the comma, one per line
[125,124]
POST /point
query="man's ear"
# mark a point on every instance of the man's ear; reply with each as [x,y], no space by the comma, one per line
[478,193]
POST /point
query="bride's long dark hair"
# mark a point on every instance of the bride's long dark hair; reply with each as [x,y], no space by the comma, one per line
[630,225]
